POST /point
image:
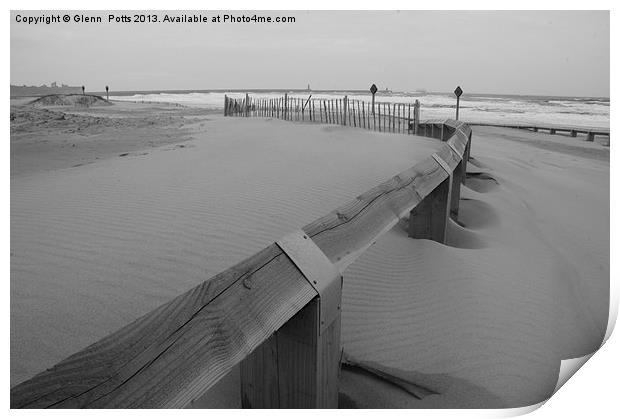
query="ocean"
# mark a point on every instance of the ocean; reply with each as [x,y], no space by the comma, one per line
[475,108]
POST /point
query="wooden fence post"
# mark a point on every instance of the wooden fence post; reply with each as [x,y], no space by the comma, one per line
[457,179]
[416,117]
[374,118]
[409,127]
[328,112]
[338,106]
[364,114]
[298,366]
[345,105]
[428,220]
[386,120]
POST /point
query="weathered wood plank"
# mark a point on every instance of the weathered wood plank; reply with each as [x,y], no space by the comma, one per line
[259,376]
[308,362]
[428,219]
[455,198]
[447,154]
[296,367]
[349,230]
[175,353]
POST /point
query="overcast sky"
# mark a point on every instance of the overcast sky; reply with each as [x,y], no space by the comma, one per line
[545,53]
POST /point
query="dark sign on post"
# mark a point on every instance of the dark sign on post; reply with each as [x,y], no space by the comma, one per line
[458,92]
[373,90]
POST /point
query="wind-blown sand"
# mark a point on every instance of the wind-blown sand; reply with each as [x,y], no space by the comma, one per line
[95,246]
[480,322]
[524,283]
[485,320]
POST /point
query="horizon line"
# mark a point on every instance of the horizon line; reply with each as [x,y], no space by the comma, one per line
[257,89]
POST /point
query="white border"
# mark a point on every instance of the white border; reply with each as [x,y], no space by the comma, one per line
[592,392]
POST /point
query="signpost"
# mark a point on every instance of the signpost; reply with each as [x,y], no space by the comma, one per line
[458,92]
[373,90]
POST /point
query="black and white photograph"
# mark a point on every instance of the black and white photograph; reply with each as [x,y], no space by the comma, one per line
[332,209]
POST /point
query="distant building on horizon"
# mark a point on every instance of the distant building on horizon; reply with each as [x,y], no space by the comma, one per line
[20,91]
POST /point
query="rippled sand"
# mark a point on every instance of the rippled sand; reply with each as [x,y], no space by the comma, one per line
[522,283]
[482,321]
[95,246]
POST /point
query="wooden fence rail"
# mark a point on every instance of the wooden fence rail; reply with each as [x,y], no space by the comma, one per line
[277,312]
[590,132]
[383,116]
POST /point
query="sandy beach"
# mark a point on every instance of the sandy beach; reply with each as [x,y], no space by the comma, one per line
[117,209]
[48,138]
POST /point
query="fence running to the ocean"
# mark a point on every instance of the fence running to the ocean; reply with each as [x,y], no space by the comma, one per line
[376,116]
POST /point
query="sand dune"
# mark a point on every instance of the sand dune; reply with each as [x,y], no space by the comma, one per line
[74,100]
[44,139]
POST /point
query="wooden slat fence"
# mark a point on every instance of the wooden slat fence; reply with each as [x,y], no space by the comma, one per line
[383,117]
[266,312]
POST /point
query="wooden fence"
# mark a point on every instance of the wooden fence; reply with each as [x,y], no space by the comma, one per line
[377,116]
[277,312]
[590,132]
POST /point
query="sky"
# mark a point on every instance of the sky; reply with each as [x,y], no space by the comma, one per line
[559,53]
